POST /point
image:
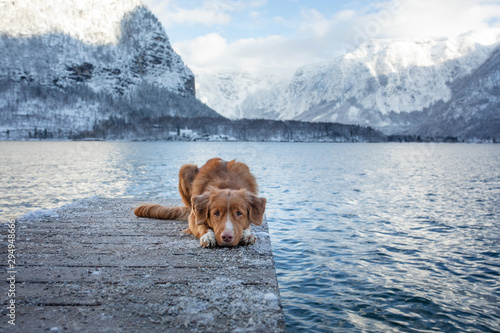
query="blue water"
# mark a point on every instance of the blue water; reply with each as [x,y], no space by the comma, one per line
[366,237]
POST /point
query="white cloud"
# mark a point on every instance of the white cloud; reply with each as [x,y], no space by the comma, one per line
[315,23]
[212,53]
[428,18]
[319,37]
[209,13]
[203,51]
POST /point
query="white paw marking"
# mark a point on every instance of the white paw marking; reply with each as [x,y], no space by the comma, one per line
[247,237]
[208,239]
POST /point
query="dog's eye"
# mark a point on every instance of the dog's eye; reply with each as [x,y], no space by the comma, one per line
[239,213]
[217,213]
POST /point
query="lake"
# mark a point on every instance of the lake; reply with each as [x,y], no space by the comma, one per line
[374,237]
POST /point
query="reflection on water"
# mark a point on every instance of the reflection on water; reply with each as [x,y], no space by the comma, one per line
[38,175]
[366,237]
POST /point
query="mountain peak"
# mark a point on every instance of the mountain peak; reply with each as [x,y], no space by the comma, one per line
[114,52]
[90,21]
[116,68]
[386,84]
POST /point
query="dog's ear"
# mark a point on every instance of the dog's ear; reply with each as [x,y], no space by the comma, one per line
[200,207]
[256,208]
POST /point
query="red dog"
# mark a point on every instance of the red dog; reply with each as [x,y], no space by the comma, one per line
[220,201]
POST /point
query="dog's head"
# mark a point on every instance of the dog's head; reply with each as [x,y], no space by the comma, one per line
[228,212]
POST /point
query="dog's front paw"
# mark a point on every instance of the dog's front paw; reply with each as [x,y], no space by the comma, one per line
[208,239]
[247,238]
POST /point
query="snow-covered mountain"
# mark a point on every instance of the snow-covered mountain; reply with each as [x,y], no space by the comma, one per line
[474,107]
[104,57]
[90,21]
[237,95]
[71,64]
[388,84]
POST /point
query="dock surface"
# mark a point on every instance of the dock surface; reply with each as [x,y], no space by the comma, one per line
[93,266]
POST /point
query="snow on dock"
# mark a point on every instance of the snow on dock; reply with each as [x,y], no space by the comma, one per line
[93,266]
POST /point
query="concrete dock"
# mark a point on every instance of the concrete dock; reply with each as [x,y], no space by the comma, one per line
[93,266]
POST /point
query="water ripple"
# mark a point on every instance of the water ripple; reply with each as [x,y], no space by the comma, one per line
[366,237]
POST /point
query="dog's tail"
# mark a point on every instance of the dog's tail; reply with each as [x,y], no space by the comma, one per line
[160,212]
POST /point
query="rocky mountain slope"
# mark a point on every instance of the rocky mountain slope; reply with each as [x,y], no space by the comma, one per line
[69,78]
[142,55]
[237,95]
[474,107]
[392,85]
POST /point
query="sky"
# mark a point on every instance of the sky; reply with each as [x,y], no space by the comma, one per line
[279,36]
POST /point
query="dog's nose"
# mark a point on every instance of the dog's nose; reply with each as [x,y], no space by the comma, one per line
[227,237]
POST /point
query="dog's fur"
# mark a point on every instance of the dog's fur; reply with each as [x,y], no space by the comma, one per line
[220,201]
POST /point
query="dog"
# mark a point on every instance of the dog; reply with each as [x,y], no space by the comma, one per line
[220,203]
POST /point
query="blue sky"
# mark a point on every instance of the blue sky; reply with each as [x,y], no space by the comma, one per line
[281,35]
[241,19]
